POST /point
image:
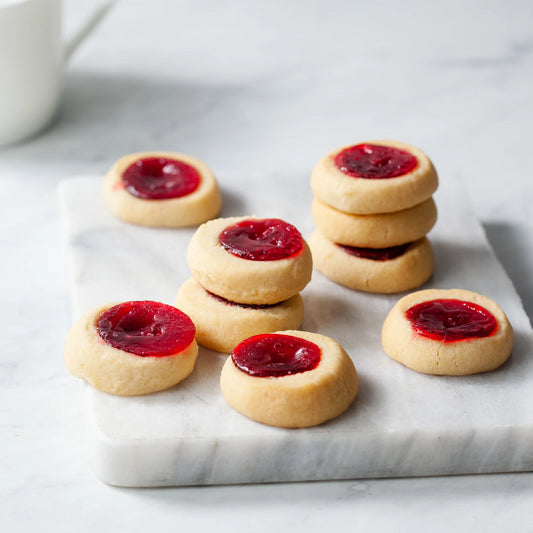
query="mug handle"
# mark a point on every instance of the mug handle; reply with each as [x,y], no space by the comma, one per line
[91,23]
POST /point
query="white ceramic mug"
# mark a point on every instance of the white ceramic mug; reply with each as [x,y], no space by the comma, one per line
[32,56]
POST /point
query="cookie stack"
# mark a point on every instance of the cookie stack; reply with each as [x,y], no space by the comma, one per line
[247,274]
[373,207]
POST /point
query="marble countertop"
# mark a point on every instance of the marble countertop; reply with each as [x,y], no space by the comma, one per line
[264,87]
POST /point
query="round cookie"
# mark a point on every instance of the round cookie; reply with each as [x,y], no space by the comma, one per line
[221,324]
[404,272]
[255,382]
[162,189]
[447,332]
[132,348]
[374,231]
[258,281]
[378,193]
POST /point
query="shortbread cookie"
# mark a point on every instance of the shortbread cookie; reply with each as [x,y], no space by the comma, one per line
[447,332]
[289,379]
[162,189]
[374,177]
[250,260]
[221,324]
[374,231]
[132,348]
[380,270]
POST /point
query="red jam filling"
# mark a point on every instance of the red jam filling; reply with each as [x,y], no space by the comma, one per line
[376,254]
[266,239]
[451,320]
[146,328]
[237,304]
[160,178]
[374,161]
[275,355]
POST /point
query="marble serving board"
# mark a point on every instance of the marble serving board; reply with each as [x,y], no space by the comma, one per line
[401,424]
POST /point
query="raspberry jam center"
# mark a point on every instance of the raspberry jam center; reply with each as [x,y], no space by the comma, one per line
[376,254]
[160,178]
[266,239]
[275,355]
[375,161]
[451,320]
[146,328]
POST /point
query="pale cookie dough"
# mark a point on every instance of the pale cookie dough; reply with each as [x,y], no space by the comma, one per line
[403,273]
[370,196]
[242,280]
[190,210]
[297,400]
[89,357]
[374,231]
[469,356]
[221,326]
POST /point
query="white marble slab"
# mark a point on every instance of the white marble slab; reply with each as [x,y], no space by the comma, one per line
[402,423]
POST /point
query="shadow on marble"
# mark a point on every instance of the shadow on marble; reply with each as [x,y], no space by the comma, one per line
[323,309]
[233,204]
[509,248]
[453,256]
[410,490]
[103,115]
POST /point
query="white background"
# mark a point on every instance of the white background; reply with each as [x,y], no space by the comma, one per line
[259,87]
